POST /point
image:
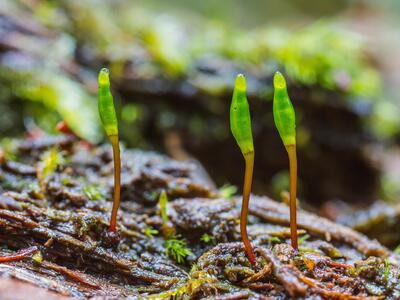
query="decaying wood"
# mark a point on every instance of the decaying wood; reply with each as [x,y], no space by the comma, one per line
[62,224]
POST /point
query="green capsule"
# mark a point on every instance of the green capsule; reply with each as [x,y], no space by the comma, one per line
[284,115]
[240,116]
[106,104]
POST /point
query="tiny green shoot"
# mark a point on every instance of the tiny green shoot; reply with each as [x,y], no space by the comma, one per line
[150,231]
[227,191]
[168,231]
[92,192]
[66,181]
[163,200]
[285,122]
[274,239]
[174,246]
[37,257]
[303,238]
[386,270]
[110,123]
[176,249]
[49,161]
[206,238]
[240,122]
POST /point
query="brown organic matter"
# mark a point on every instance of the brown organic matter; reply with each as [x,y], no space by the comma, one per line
[65,226]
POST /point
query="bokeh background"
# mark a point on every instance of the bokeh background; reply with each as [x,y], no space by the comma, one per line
[173,64]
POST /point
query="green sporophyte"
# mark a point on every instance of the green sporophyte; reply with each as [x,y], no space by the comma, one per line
[284,114]
[240,122]
[285,122]
[106,107]
[110,123]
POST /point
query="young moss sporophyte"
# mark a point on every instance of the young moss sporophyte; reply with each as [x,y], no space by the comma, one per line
[109,120]
[167,229]
[241,130]
[175,246]
[285,122]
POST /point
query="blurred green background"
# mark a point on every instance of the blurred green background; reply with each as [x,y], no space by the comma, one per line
[173,62]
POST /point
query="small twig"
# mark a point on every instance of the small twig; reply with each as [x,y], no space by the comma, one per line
[75,275]
[21,254]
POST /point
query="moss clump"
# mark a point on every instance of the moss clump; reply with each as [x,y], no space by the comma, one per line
[92,192]
[176,249]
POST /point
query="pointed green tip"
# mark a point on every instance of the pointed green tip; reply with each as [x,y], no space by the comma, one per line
[104,77]
[240,82]
[279,81]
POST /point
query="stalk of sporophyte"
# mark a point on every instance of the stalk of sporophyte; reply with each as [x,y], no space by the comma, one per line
[285,122]
[110,123]
[241,130]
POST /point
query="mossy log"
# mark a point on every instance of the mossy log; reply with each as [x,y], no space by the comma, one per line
[51,235]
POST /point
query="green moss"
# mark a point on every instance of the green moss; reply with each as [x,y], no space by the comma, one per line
[150,231]
[176,249]
[206,238]
[334,253]
[88,223]
[51,90]
[189,288]
[37,257]
[92,192]
[66,181]
[227,191]
[58,215]
[49,162]
[321,54]
[309,250]
[326,55]
[9,148]
[386,270]
[274,239]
